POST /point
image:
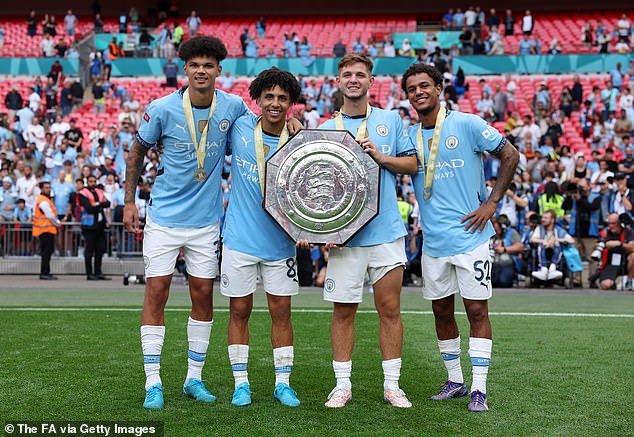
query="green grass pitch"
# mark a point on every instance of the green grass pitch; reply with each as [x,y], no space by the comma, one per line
[568,376]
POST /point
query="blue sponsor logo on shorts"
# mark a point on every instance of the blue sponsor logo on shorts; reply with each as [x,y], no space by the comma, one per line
[329,285]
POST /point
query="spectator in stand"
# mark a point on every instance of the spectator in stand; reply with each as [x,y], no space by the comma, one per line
[576,93]
[389,51]
[289,48]
[252,48]
[358,46]
[484,107]
[311,116]
[622,128]
[447,20]
[623,29]
[493,21]
[526,45]
[31,24]
[193,24]
[97,24]
[616,76]
[77,93]
[170,69]
[339,49]
[507,248]
[466,41]
[603,40]
[496,43]
[587,35]
[70,22]
[49,26]
[527,23]
[549,237]
[608,98]
[60,49]
[554,48]
[8,198]
[565,102]
[96,67]
[500,103]
[26,185]
[93,225]
[372,49]
[166,48]
[177,36]
[227,81]
[13,101]
[35,134]
[458,19]
[99,97]
[260,27]
[509,23]
[145,44]
[244,38]
[123,22]
[48,47]
[304,49]
[74,136]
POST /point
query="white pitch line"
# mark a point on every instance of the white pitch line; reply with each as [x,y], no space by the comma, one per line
[323,311]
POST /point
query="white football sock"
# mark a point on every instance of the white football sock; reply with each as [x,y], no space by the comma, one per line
[239,358]
[152,338]
[283,360]
[480,353]
[391,373]
[198,333]
[343,370]
[450,351]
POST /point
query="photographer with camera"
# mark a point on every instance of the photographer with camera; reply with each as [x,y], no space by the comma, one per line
[615,243]
[549,238]
[622,202]
[506,249]
[513,204]
[584,215]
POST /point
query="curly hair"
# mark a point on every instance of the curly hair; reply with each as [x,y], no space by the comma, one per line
[267,79]
[206,46]
[432,72]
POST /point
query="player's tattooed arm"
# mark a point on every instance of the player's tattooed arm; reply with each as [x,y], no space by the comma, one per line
[509,158]
[134,167]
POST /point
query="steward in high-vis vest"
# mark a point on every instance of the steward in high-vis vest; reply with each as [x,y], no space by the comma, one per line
[45,224]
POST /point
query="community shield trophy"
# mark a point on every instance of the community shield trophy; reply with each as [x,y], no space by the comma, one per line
[322,187]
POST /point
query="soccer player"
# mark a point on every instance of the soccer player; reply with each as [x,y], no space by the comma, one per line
[253,242]
[186,206]
[455,215]
[379,248]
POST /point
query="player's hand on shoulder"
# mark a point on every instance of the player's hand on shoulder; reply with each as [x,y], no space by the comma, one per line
[294,126]
[331,245]
[477,220]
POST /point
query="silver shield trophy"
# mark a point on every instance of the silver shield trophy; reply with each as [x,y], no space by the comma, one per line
[322,187]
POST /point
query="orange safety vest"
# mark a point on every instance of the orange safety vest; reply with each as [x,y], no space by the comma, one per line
[41,223]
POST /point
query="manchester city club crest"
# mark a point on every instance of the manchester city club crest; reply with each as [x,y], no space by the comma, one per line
[382,130]
[224,125]
[224,280]
[451,142]
[329,285]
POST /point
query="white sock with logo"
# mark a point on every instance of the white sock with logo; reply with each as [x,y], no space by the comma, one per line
[239,359]
[152,338]
[480,353]
[450,352]
[198,333]
[283,360]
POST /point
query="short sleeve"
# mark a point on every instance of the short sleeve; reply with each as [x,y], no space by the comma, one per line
[150,129]
[404,146]
[486,138]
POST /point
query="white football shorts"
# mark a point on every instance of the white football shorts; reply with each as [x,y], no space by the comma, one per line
[468,273]
[161,246]
[347,267]
[239,273]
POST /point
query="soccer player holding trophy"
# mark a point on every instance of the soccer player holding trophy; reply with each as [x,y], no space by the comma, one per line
[455,216]
[379,248]
[253,243]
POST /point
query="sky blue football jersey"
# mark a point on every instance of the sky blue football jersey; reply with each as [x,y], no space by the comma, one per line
[385,129]
[177,199]
[459,187]
[248,228]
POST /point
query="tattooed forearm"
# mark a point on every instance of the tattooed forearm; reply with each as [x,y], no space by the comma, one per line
[134,167]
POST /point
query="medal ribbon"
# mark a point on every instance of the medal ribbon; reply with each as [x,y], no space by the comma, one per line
[259,149]
[362,132]
[430,168]
[189,117]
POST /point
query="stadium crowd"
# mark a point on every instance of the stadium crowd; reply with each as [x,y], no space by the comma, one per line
[40,141]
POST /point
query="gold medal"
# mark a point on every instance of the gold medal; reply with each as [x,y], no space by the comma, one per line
[430,167]
[362,132]
[200,175]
